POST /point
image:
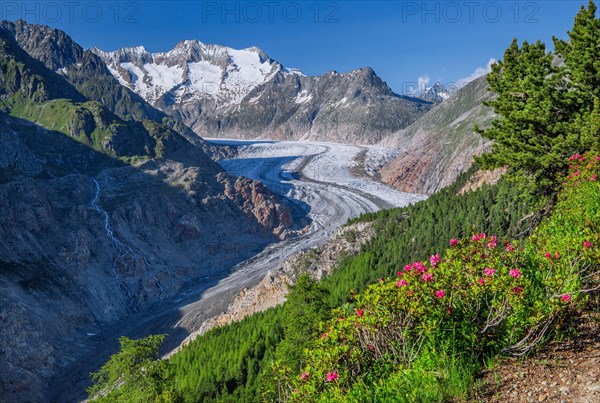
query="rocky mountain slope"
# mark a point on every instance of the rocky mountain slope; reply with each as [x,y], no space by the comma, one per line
[102,218]
[219,91]
[440,145]
[274,287]
[88,74]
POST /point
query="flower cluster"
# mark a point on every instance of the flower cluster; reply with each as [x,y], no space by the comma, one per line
[583,168]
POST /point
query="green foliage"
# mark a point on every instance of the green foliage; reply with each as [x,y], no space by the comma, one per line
[438,375]
[225,363]
[527,135]
[546,113]
[307,306]
[135,374]
[482,297]
[419,230]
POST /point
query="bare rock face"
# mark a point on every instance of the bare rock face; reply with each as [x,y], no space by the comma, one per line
[480,178]
[439,146]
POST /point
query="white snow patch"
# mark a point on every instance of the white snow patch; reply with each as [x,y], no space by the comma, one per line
[163,76]
[303,97]
[204,77]
[137,78]
[118,76]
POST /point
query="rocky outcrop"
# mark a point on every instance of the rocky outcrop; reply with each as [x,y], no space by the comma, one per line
[439,146]
[480,178]
[223,92]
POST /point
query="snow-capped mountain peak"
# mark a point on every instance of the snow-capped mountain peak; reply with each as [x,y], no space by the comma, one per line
[437,93]
[217,90]
[191,68]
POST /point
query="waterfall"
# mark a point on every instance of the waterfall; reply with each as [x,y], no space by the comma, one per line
[121,250]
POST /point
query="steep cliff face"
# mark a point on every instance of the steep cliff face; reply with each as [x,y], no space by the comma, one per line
[439,146]
[219,91]
[102,218]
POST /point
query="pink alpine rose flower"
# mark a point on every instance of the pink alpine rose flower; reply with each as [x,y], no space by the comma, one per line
[548,255]
[587,244]
[427,277]
[481,281]
[420,267]
[401,283]
[509,247]
[488,271]
[440,294]
[516,273]
[453,242]
[360,312]
[566,298]
[332,376]
[435,259]
[304,375]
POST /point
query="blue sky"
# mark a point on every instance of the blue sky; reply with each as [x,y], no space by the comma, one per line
[402,40]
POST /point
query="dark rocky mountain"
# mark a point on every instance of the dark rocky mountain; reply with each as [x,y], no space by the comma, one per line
[102,218]
[219,91]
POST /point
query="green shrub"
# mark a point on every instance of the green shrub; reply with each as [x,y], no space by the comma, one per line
[484,295]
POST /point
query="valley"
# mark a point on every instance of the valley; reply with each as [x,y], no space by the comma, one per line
[318,177]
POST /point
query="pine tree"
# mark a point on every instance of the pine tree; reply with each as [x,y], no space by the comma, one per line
[580,73]
[546,112]
[134,374]
[306,307]
[527,134]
